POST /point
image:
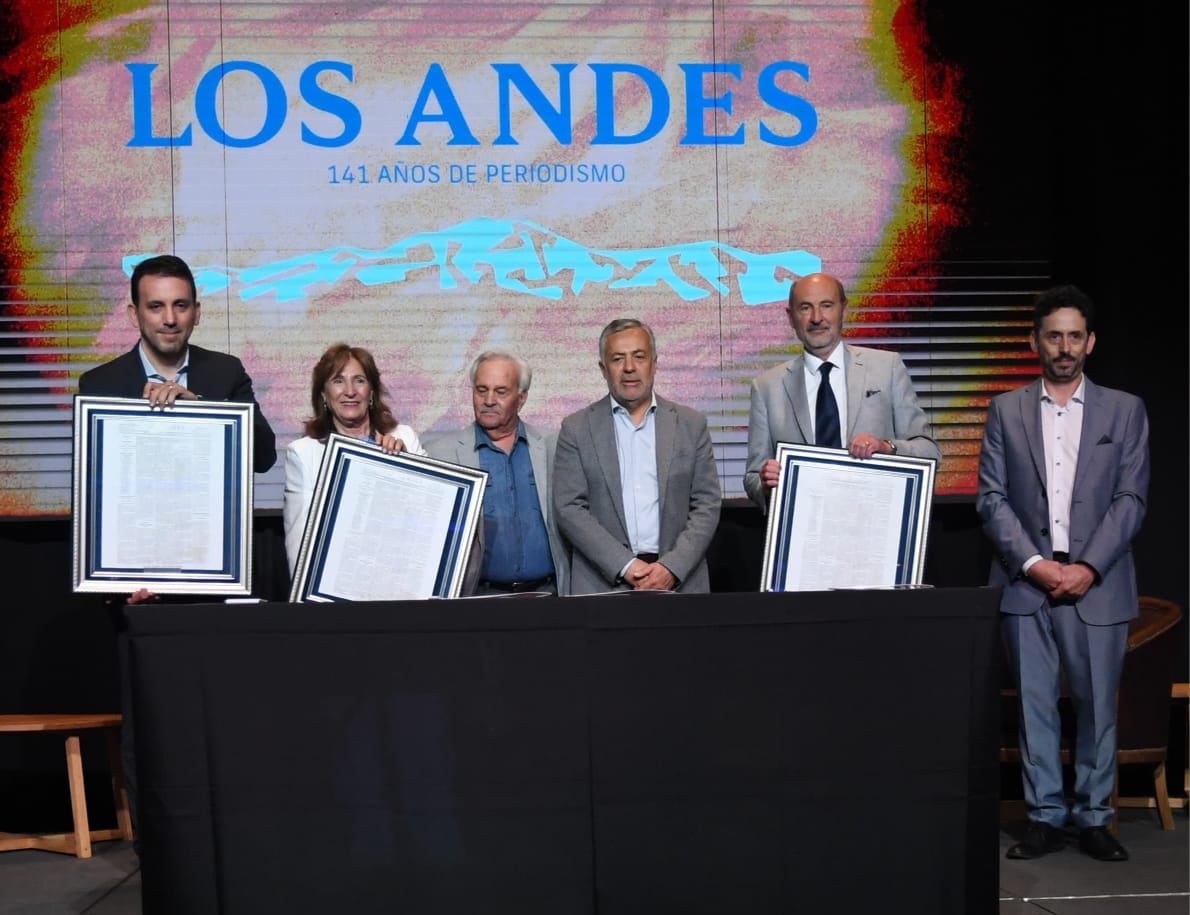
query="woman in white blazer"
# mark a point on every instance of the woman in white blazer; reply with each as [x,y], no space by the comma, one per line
[346,396]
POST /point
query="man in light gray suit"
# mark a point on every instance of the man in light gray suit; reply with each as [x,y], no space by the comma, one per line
[1063,478]
[522,550]
[868,393]
[636,489]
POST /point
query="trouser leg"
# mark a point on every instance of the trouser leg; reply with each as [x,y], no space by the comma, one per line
[1033,654]
[1092,658]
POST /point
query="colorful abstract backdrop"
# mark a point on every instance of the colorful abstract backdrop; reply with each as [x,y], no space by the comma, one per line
[432,180]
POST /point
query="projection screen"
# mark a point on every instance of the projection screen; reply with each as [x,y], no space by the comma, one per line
[432,180]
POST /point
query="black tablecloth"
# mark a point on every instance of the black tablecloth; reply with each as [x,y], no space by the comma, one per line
[722,753]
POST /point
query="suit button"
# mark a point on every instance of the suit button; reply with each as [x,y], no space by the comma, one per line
[1045,532]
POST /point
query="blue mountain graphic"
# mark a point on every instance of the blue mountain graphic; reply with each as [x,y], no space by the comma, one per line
[523,257]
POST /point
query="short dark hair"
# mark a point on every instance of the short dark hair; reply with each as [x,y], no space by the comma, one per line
[380,416]
[1066,296]
[162,265]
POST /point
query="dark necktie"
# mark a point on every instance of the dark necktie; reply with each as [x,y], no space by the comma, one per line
[826,412]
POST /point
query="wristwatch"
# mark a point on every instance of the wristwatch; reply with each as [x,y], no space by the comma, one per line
[892,448]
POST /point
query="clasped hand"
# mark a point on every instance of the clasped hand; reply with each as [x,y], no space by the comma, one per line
[1062,582]
[649,576]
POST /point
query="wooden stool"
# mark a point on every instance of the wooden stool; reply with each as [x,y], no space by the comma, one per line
[1182,691]
[78,842]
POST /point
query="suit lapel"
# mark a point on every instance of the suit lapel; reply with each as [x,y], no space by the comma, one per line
[1031,422]
[1095,427]
[465,451]
[795,389]
[537,459]
[196,372]
[603,435]
[133,369]
[857,380]
[665,433]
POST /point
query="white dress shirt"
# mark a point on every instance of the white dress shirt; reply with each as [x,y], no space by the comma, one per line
[811,366]
[1061,432]
[1061,435]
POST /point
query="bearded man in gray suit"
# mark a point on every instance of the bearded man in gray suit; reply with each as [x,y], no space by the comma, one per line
[522,550]
[636,488]
[1063,479]
[868,393]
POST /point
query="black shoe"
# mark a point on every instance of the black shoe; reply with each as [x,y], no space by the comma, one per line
[1100,844]
[1039,839]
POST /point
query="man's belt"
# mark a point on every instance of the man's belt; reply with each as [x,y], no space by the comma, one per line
[648,557]
[517,587]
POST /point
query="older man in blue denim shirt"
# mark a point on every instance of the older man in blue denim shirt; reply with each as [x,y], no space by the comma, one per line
[522,548]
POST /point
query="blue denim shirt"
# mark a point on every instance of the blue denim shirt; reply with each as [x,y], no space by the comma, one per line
[516,543]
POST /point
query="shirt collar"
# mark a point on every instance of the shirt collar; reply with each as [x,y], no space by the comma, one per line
[151,372]
[482,439]
[814,363]
[618,407]
[1077,396]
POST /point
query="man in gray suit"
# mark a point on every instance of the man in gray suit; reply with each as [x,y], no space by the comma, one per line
[522,550]
[868,393]
[1063,478]
[636,489]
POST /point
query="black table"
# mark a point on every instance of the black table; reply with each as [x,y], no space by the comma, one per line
[720,753]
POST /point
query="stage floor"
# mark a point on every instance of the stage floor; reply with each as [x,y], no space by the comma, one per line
[1155,882]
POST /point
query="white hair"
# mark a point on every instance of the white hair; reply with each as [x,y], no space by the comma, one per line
[524,370]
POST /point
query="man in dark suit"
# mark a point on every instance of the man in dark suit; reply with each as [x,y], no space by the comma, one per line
[523,550]
[1063,479]
[867,392]
[163,366]
[636,489]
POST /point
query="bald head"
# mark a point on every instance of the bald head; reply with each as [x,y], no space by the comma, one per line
[816,306]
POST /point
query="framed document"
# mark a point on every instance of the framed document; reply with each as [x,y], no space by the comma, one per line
[386,526]
[162,498]
[841,522]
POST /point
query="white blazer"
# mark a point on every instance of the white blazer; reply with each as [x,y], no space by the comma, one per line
[302,459]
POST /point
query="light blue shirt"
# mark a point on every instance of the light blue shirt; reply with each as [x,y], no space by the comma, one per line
[151,373]
[636,448]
